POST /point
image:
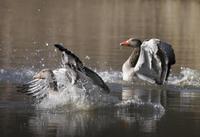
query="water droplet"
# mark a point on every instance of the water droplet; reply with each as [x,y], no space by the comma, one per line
[34,42]
[2,70]
[87,57]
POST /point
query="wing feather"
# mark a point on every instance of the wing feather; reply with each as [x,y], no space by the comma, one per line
[38,89]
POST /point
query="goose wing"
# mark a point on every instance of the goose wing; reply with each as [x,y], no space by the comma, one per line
[35,88]
[155,60]
[96,79]
[168,51]
[70,59]
[148,64]
[167,56]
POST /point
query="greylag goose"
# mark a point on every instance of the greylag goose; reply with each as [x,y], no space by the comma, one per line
[49,82]
[150,60]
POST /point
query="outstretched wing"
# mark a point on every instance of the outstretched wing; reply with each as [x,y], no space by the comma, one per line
[96,79]
[70,59]
[35,88]
[148,65]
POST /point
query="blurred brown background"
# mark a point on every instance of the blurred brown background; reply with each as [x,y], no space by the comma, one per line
[94,29]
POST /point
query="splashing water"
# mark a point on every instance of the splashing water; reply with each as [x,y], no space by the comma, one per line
[16,76]
[82,98]
[82,95]
[79,98]
[140,105]
[186,77]
[111,76]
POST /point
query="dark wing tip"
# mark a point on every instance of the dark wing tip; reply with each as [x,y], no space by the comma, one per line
[22,88]
[60,47]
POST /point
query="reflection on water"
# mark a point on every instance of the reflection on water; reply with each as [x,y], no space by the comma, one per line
[186,98]
[145,107]
[57,122]
[69,124]
[140,112]
[146,94]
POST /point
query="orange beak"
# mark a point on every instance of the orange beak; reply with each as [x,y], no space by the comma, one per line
[124,43]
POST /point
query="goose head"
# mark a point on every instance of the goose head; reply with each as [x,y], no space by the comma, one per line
[48,76]
[44,74]
[132,42]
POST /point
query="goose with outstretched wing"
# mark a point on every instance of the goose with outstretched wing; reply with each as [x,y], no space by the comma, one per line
[49,82]
[150,60]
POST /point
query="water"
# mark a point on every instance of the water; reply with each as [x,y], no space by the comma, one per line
[93,29]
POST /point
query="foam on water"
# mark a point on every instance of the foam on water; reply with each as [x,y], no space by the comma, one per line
[137,103]
[78,98]
[111,76]
[16,76]
[186,77]
[82,95]
[89,98]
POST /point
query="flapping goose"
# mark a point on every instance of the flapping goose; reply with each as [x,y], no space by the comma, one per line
[150,60]
[49,82]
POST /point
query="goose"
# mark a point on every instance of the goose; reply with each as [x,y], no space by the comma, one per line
[150,60]
[49,82]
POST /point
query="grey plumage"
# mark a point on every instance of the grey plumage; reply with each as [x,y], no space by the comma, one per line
[157,73]
[73,71]
[41,86]
[71,60]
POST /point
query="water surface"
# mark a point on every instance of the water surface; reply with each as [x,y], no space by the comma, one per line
[93,29]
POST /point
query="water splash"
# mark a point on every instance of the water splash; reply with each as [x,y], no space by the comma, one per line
[16,76]
[81,98]
[75,98]
[138,104]
[82,95]
[111,76]
[186,77]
